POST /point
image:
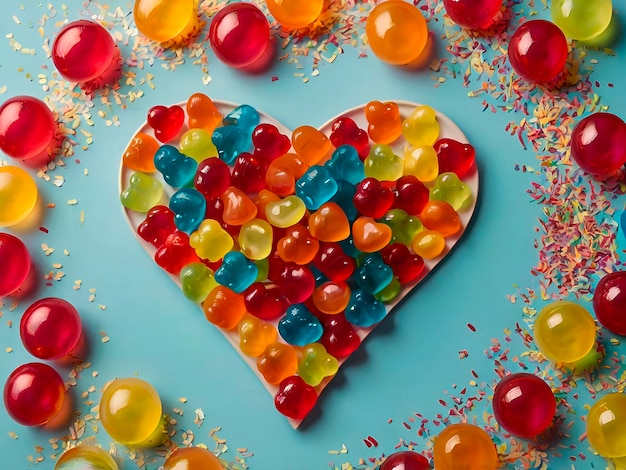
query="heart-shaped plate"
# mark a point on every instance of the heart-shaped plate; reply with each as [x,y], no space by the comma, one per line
[291,352]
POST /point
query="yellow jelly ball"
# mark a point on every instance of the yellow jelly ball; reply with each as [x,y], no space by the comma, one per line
[18,195]
[192,458]
[131,411]
[606,425]
[86,457]
[428,244]
[564,331]
[464,446]
[164,20]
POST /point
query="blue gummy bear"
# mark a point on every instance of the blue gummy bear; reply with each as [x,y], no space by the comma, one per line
[299,326]
[373,275]
[345,165]
[189,207]
[231,141]
[244,117]
[364,310]
[236,272]
[348,247]
[316,187]
[344,198]
[178,170]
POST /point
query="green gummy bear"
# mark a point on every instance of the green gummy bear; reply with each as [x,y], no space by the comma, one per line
[403,226]
[382,164]
[197,144]
[143,192]
[316,364]
[197,281]
[449,188]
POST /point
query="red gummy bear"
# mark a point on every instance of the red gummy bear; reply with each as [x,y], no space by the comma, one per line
[175,253]
[249,173]
[406,266]
[157,226]
[166,122]
[269,143]
[455,157]
[411,195]
[265,301]
[339,337]
[212,178]
[295,398]
[333,262]
[372,198]
[344,131]
[296,283]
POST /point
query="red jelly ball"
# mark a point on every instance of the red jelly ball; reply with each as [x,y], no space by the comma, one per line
[34,394]
[27,128]
[15,263]
[472,14]
[538,51]
[524,404]
[51,329]
[405,460]
[599,143]
[609,302]
[240,35]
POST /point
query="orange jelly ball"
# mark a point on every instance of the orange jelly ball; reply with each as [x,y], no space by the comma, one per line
[295,13]
[397,32]
[165,20]
[464,446]
[192,458]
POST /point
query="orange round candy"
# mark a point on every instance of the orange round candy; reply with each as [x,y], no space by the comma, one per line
[295,13]
[397,32]
[192,458]
[332,297]
[464,446]
[441,216]
[428,244]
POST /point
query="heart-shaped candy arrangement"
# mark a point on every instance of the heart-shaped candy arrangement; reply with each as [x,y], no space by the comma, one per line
[297,244]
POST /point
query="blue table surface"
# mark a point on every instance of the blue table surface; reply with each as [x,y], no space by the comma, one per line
[409,368]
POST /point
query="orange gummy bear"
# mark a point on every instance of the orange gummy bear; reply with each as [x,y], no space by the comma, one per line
[441,216]
[224,308]
[277,362]
[203,113]
[298,246]
[385,122]
[282,173]
[310,144]
[370,236]
[139,154]
[238,207]
[255,335]
[332,297]
[329,223]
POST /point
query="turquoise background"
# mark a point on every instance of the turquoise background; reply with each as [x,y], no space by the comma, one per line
[405,367]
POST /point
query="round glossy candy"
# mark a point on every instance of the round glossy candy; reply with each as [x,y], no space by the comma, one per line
[598,143]
[538,51]
[464,446]
[523,404]
[165,20]
[295,13]
[84,51]
[86,457]
[239,34]
[397,32]
[472,14]
[27,128]
[192,458]
[606,425]
[405,460]
[609,302]
[131,412]
[582,19]
[15,262]
[51,329]
[18,195]
[34,394]
[564,332]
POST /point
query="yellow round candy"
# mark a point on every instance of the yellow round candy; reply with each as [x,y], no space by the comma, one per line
[18,195]
[428,244]
[396,31]
[295,13]
[564,331]
[192,458]
[131,412]
[164,20]
[464,446]
[606,425]
[86,457]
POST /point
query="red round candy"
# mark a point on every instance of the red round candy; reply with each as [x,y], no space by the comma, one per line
[538,51]
[82,51]
[598,143]
[239,35]
[609,302]
[472,14]
[27,128]
[15,263]
[524,405]
[51,329]
[405,460]
[34,394]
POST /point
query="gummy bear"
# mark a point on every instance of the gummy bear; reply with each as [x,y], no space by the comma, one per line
[142,193]
[269,143]
[166,122]
[299,326]
[230,141]
[211,241]
[198,144]
[245,117]
[344,198]
[449,188]
[373,275]
[224,308]
[175,253]
[340,338]
[139,155]
[331,297]
[283,172]
[277,362]
[421,162]
[285,212]
[373,199]
[370,236]
[238,207]
[344,131]
[297,245]
[265,301]
[441,216]
[329,223]
[455,157]
[384,121]
[202,113]
[345,165]
[248,173]
[158,224]
[295,398]
[189,206]
[255,239]
[212,178]
[255,335]
[421,126]
[236,272]
[411,195]
[197,281]
[390,292]
[295,282]
[178,170]
[404,227]
[310,144]
[428,244]
[333,262]
[406,266]
[383,164]
[316,187]
[364,310]
[316,364]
